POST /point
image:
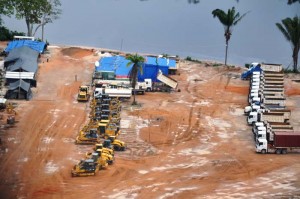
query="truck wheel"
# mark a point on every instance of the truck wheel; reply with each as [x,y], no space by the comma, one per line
[278,151]
[284,151]
[263,151]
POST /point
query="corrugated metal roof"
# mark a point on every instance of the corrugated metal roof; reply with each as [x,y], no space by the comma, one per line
[19,75]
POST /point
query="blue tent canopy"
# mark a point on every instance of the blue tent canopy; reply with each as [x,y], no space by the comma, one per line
[35,45]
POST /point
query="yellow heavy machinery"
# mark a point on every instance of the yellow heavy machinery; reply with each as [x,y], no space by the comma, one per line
[112,142]
[85,168]
[107,129]
[99,159]
[83,94]
[88,136]
[107,157]
[104,149]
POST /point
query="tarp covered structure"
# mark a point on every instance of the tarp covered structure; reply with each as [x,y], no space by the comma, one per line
[28,77]
[118,66]
[19,90]
[115,64]
[38,46]
[22,59]
[151,67]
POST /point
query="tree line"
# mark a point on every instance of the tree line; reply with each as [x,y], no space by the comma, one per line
[36,13]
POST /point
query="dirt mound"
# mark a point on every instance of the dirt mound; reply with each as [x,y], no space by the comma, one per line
[76,52]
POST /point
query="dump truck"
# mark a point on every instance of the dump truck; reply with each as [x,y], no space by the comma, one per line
[267,132]
[85,168]
[256,107]
[167,80]
[142,87]
[83,94]
[283,142]
[270,117]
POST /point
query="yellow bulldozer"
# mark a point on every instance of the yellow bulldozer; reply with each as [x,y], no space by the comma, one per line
[107,157]
[113,143]
[88,136]
[83,94]
[104,149]
[85,168]
[107,129]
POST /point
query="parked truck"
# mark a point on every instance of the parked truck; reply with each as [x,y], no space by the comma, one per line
[270,117]
[257,107]
[283,142]
[167,80]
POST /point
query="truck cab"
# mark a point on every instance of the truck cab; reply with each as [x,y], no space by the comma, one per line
[252,117]
[261,146]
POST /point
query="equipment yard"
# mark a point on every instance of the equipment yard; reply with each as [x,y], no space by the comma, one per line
[195,143]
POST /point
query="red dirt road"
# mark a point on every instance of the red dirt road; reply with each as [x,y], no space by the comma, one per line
[189,144]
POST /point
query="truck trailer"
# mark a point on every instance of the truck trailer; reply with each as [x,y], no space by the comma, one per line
[283,142]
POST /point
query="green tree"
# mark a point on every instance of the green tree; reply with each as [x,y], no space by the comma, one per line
[36,12]
[137,62]
[228,20]
[290,28]
[6,8]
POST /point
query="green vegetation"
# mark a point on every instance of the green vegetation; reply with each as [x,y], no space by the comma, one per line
[290,28]
[36,13]
[6,35]
[137,62]
[188,58]
[228,20]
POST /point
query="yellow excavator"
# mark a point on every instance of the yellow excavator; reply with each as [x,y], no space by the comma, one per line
[113,143]
[107,157]
[88,136]
[85,168]
[83,94]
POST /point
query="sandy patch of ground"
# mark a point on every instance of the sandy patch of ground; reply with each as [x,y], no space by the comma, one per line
[189,144]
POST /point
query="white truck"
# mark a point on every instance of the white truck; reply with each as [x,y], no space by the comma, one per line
[281,144]
[142,87]
[270,117]
[114,92]
[255,108]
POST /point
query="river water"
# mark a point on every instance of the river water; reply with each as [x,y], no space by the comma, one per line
[174,27]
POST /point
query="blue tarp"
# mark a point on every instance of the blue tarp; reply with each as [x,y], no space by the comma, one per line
[152,65]
[161,61]
[116,64]
[35,45]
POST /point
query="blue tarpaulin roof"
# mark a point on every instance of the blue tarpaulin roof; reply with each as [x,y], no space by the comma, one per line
[116,64]
[161,61]
[35,45]
[151,67]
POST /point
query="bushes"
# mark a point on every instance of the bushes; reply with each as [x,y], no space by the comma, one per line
[8,35]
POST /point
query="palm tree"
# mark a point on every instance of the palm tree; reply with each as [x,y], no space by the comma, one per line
[228,20]
[137,62]
[290,28]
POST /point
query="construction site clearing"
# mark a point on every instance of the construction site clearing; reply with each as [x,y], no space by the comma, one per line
[195,143]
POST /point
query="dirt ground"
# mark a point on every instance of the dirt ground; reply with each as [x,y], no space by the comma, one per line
[189,144]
